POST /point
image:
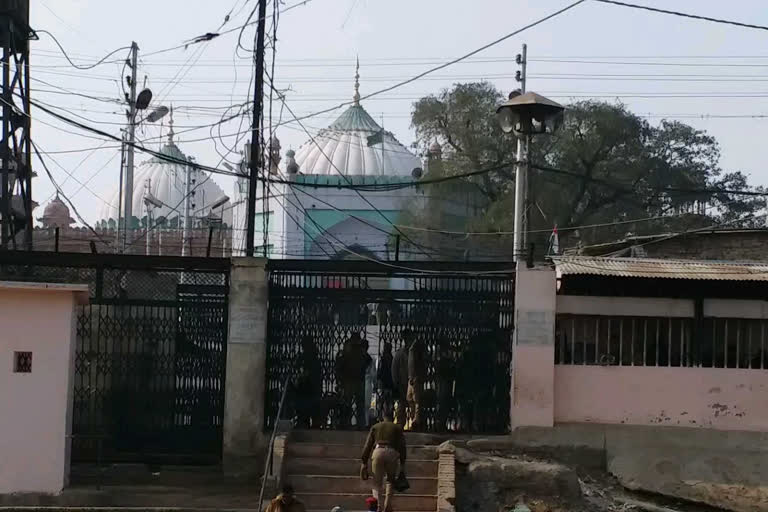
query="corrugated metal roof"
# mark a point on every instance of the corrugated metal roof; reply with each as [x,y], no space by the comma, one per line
[658,268]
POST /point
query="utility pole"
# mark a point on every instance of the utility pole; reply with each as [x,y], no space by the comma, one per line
[130,150]
[189,206]
[120,227]
[15,147]
[521,174]
[256,158]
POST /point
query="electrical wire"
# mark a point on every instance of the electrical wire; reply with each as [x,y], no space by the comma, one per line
[84,68]
[61,192]
[684,15]
[449,63]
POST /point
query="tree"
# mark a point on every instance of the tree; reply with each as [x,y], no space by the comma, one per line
[606,165]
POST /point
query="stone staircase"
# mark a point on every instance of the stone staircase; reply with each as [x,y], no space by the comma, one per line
[323,467]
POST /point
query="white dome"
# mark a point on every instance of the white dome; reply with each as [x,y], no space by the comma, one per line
[167,185]
[346,144]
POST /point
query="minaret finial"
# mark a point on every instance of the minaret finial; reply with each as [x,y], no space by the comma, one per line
[170,127]
[356,97]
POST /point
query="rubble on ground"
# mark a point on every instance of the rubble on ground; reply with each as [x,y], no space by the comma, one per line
[496,481]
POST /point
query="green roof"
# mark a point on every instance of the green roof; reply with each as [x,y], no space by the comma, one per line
[355,119]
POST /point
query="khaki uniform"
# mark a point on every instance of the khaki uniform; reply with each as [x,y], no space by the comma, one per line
[386,447]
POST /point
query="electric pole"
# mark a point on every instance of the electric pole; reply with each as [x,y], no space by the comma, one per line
[130,150]
[521,175]
[15,147]
[256,157]
[190,184]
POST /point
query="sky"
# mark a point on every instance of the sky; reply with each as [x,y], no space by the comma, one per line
[659,66]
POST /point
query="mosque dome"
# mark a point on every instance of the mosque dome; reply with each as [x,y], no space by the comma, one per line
[56,214]
[166,182]
[355,145]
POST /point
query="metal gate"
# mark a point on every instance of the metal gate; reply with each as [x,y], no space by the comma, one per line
[319,311]
[150,354]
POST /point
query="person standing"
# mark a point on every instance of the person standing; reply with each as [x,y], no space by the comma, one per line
[417,373]
[384,380]
[309,385]
[400,377]
[386,449]
[286,502]
[351,366]
[446,375]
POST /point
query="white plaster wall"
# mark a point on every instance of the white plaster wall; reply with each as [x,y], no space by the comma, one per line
[36,407]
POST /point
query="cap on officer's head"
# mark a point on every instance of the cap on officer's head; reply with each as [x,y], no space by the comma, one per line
[337,509]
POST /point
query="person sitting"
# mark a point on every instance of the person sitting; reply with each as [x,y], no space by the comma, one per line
[372,504]
[286,502]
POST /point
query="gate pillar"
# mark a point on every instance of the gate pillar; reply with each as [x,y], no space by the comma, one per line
[244,441]
[533,351]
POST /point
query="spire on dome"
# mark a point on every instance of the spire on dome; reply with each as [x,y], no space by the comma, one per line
[356,97]
[170,127]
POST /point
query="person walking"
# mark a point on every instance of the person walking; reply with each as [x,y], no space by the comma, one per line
[286,502]
[386,449]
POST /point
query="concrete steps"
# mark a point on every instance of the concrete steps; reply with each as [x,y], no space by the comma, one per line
[351,451]
[345,484]
[323,468]
[355,502]
[350,466]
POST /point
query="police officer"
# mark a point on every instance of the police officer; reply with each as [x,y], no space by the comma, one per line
[386,449]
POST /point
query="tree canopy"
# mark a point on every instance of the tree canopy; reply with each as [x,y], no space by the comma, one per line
[606,165]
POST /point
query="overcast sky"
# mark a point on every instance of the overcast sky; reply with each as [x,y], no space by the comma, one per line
[394,39]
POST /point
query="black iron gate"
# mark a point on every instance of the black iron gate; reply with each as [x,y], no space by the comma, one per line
[150,355]
[330,324]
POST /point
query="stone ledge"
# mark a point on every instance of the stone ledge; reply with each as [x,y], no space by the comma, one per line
[446,482]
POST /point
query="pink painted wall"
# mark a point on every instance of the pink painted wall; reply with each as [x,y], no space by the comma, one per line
[719,398]
[35,408]
[532,395]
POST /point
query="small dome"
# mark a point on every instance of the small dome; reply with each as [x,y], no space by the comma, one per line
[56,214]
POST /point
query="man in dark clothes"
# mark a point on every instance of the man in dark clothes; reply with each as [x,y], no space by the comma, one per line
[386,448]
[417,373]
[351,365]
[309,385]
[384,377]
[400,377]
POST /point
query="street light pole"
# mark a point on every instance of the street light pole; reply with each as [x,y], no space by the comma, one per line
[526,115]
[521,172]
[521,177]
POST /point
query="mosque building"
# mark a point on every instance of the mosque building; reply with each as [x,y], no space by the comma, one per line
[340,195]
[344,194]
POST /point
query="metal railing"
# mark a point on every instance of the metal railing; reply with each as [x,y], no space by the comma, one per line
[661,341]
[623,341]
[268,462]
[734,343]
